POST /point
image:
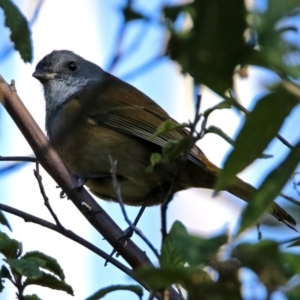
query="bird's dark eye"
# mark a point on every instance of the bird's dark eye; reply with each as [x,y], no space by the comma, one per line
[72,66]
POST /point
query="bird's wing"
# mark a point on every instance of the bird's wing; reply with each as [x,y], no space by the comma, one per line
[126,109]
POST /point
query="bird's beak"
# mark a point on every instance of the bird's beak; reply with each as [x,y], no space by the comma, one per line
[43,76]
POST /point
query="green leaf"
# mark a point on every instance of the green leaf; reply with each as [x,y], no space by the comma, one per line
[27,267]
[293,294]
[31,297]
[155,159]
[163,278]
[263,197]
[166,127]
[265,260]
[10,248]
[291,264]
[51,264]
[261,126]
[103,292]
[172,150]
[214,44]
[18,25]
[199,251]
[4,221]
[273,47]
[221,133]
[193,249]
[50,281]
[222,105]
[170,256]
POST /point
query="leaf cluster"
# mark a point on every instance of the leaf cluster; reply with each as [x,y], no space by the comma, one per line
[31,268]
[210,268]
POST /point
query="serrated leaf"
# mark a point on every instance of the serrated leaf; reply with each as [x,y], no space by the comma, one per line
[50,281]
[10,248]
[263,197]
[260,127]
[51,263]
[103,292]
[4,273]
[4,221]
[27,267]
[166,127]
[18,25]
[170,256]
[31,297]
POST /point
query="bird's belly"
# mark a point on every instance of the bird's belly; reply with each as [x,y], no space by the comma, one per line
[92,157]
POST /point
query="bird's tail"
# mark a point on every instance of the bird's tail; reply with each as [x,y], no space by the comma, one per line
[244,191]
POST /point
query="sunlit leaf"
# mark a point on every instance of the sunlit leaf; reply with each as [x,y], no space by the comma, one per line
[170,256]
[167,126]
[27,267]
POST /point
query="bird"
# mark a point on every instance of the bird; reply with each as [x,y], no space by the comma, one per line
[93,117]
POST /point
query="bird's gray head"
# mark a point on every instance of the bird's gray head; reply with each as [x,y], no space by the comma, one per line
[63,75]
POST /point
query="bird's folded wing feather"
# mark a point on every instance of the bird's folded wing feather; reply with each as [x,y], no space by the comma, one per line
[137,115]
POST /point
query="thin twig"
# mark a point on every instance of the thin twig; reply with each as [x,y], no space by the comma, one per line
[119,197]
[45,197]
[179,169]
[18,158]
[145,67]
[290,199]
[179,291]
[67,233]
[288,241]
